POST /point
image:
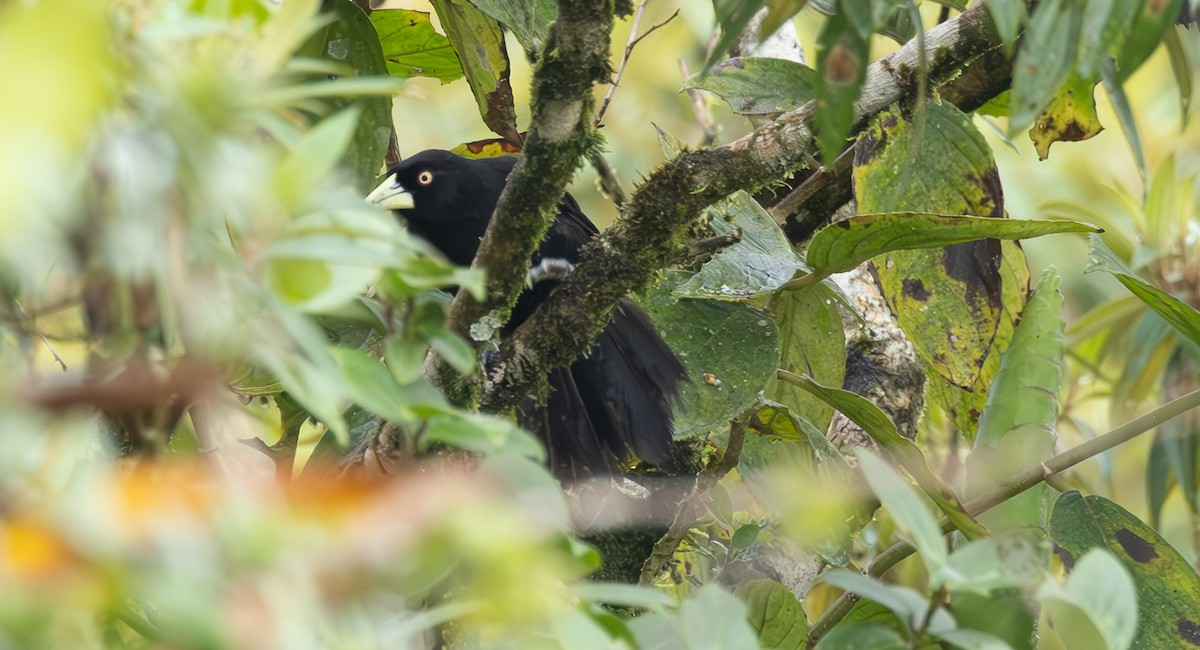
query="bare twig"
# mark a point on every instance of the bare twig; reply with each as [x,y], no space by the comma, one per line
[634,39]
[608,179]
[699,108]
[692,506]
[818,181]
[25,316]
[1060,463]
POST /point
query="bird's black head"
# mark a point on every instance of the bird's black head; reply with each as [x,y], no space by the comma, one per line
[445,198]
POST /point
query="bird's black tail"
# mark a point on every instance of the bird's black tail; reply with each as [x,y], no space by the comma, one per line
[612,405]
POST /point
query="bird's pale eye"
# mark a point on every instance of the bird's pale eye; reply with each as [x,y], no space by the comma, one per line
[425,177]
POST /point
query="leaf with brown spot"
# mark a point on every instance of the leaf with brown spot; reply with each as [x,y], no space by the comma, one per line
[936,161]
[1168,589]
[489,148]
[478,41]
[1070,117]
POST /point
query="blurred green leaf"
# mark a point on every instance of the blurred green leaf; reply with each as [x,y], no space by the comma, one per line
[1182,317]
[1045,58]
[842,60]
[1097,608]
[876,424]
[908,510]
[775,613]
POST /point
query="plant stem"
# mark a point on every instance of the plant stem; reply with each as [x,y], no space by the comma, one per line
[1060,463]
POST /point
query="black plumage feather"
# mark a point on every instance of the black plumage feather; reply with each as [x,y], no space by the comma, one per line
[608,407]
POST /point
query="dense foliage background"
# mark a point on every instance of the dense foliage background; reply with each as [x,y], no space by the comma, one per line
[221,425]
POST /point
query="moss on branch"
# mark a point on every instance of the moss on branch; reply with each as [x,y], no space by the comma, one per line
[629,255]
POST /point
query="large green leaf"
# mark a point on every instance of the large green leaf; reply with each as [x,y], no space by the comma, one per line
[949,301]
[479,43]
[964,406]
[1153,19]
[756,85]
[1047,54]
[412,48]
[1016,431]
[843,54]
[528,20]
[351,41]
[812,342]
[759,263]
[1168,589]
[1179,314]
[729,350]
[775,613]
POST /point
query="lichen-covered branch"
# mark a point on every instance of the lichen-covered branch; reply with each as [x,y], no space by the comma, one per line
[560,133]
[628,255]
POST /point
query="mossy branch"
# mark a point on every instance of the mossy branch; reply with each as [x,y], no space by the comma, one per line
[560,133]
[628,256]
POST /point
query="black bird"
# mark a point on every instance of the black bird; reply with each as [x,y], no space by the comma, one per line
[612,405]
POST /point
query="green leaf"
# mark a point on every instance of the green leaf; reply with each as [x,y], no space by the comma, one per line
[862,636]
[1181,67]
[1102,591]
[1153,19]
[812,342]
[412,48]
[729,350]
[906,603]
[759,263]
[480,433]
[712,618]
[908,511]
[1168,589]
[372,386]
[1124,111]
[1016,430]
[528,20]
[757,85]
[732,16]
[964,406]
[877,425]
[775,614]
[1047,53]
[1104,25]
[479,43]
[1180,315]
[843,55]
[616,593]
[846,244]
[351,41]
[949,301]
[1007,16]
[1010,559]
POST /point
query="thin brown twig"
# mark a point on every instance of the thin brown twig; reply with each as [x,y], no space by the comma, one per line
[634,39]
[699,108]
[690,508]
[45,341]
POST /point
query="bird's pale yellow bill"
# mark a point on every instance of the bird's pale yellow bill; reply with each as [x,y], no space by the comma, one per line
[391,195]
